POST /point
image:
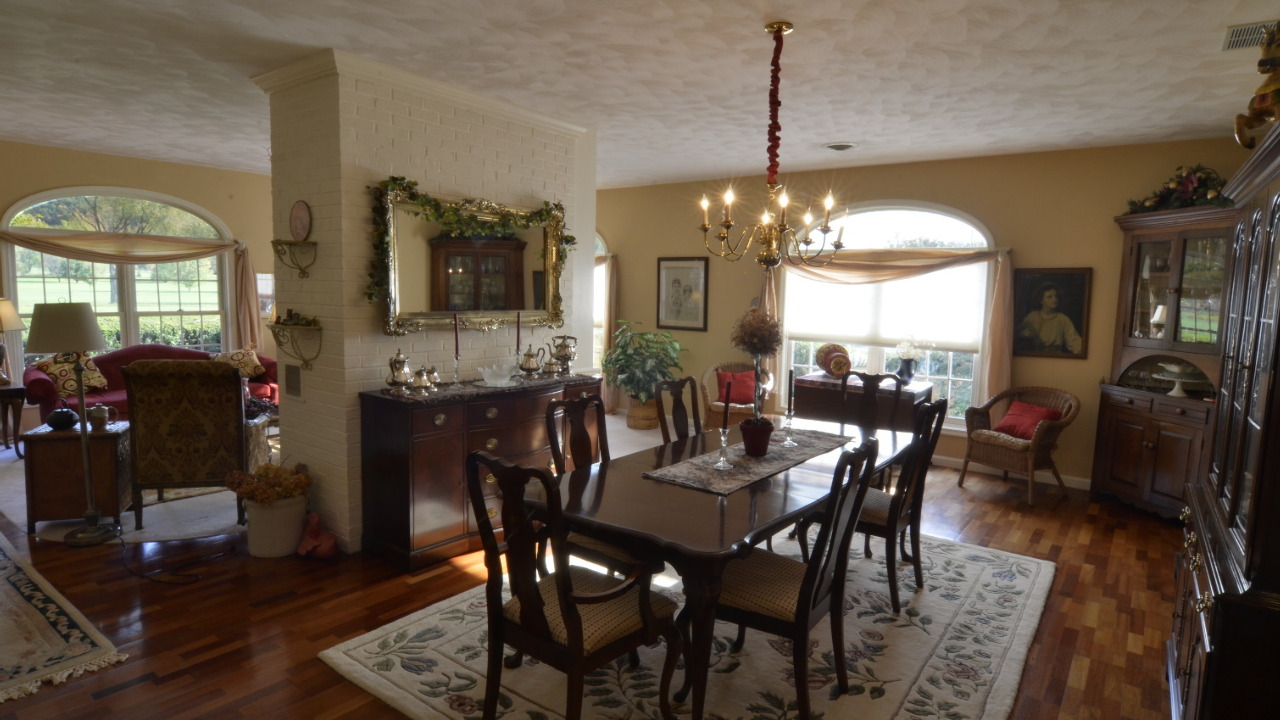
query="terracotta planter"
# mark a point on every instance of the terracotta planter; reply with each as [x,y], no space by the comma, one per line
[276,529]
[755,438]
[642,416]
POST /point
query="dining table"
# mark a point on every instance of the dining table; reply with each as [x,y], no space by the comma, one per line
[696,531]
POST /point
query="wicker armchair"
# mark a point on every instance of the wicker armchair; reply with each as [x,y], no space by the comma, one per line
[738,412]
[1012,454]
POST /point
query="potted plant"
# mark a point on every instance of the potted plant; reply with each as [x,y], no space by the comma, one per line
[275,500]
[636,362]
[758,334]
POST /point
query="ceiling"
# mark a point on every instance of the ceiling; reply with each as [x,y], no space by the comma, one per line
[675,89]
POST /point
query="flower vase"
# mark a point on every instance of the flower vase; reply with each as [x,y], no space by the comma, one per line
[276,529]
[906,369]
[755,437]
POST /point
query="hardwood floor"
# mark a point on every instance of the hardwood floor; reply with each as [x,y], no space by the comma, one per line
[241,640]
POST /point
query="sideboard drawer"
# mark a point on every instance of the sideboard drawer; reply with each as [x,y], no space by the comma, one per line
[438,419]
[509,440]
[501,410]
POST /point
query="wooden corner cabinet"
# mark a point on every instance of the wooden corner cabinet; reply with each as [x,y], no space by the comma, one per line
[1157,412]
[1221,656]
[413,460]
[477,274]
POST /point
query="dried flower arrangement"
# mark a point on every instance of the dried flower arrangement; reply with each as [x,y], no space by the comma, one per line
[758,334]
[268,483]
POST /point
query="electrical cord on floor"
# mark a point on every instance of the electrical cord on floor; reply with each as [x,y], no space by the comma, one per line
[181,578]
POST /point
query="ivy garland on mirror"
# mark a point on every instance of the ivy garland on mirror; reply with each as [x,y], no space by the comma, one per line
[465,219]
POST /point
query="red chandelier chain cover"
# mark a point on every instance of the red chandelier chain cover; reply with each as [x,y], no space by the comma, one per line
[775,128]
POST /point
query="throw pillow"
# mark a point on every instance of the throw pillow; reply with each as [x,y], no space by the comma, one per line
[245,359]
[744,386]
[1022,419]
[60,368]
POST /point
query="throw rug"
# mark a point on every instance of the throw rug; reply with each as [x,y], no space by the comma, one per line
[184,518]
[43,639]
[956,651]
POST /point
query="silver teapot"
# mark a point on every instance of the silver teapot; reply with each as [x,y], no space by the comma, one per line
[531,362]
[399,378]
[563,352]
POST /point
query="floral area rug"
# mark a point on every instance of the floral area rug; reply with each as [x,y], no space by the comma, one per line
[43,639]
[956,651]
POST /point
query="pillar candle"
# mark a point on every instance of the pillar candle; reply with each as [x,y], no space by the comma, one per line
[791,395]
[517,334]
[728,393]
[455,335]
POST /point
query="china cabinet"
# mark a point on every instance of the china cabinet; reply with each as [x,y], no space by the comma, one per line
[1155,415]
[413,459]
[1220,660]
[477,275]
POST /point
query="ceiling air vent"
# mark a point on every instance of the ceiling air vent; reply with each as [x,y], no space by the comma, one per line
[1245,36]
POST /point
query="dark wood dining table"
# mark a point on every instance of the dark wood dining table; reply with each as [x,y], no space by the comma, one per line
[699,532]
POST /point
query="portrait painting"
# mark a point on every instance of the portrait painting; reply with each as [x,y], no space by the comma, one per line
[1051,312]
[682,293]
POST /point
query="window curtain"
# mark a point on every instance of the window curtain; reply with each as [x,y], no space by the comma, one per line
[611,395]
[871,266]
[130,249]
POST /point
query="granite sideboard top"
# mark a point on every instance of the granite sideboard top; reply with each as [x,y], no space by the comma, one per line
[444,394]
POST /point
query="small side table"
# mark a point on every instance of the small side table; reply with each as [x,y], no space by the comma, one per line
[12,398]
[55,473]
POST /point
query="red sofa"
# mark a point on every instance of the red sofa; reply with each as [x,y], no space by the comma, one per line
[41,390]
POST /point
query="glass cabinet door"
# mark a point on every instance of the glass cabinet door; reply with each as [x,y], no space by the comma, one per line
[1202,277]
[1177,294]
[461,282]
[1151,316]
[493,283]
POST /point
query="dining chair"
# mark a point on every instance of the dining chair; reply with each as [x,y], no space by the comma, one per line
[895,513]
[783,596]
[186,426]
[573,619]
[713,404]
[680,412]
[576,430]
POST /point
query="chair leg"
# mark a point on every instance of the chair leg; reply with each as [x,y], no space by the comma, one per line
[891,565]
[915,554]
[800,663]
[837,642]
[963,469]
[866,545]
[802,537]
[573,700]
[493,682]
[633,657]
[1031,484]
[674,650]
[741,639]
[1061,484]
[137,508]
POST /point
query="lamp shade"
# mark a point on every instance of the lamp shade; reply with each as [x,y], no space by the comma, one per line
[9,317]
[64,327]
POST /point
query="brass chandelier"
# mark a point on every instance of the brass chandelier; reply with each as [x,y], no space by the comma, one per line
[776,238]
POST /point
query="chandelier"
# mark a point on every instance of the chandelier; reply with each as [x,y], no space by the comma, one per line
[777,239]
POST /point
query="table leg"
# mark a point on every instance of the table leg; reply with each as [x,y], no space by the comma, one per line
[15,408]
[702,585]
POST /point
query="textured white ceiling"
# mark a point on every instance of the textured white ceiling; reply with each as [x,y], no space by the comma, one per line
[676,89]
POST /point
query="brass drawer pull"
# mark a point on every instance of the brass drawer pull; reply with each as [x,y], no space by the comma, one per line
[1180,411]
[1204,602]
[491,479]
[440,419]
[493,512]
[491,413]
[1191,540]
[491,444]
[583,394]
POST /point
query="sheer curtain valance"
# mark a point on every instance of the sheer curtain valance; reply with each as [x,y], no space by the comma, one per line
[872,266]
[129,249]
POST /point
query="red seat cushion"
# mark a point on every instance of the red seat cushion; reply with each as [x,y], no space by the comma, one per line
[1022,419]
[744,386]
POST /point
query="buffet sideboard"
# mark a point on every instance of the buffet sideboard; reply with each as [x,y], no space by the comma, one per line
[413,458]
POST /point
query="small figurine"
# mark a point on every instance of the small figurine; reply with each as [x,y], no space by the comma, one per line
[316,541]
[1265,105]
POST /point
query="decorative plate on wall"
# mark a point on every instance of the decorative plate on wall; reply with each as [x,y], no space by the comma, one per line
[300,221]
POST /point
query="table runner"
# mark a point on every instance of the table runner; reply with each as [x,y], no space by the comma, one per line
[698,473]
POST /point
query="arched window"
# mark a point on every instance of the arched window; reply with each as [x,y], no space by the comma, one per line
[600,301]
[943,313]
[184,303]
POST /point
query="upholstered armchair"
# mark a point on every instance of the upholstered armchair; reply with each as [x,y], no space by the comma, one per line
[1023,440]
[738,412]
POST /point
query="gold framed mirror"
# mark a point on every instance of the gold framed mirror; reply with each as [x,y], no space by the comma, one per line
[476,258]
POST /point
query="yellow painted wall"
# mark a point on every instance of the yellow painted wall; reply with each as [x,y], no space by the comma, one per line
[241,200]
[1052,209]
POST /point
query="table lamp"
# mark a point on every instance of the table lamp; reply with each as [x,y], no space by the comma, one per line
[9,320]
[68,330]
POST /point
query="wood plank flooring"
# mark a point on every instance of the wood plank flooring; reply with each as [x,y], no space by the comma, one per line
[241,640]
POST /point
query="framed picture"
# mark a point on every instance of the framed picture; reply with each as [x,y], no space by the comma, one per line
[1051,312]
[682,293]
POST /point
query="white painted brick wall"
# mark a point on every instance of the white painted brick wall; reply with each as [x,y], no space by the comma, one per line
[339,125]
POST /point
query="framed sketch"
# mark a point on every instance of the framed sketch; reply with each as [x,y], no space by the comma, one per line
[682,293]
[1051,312]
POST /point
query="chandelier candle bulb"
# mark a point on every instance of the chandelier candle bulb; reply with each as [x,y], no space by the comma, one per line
[705,205]
[728,200]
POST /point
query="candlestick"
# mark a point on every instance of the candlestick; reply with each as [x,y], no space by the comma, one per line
[791,394]
[517,336]
[457,360]
[455,337]
[728,393]
[723,463]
